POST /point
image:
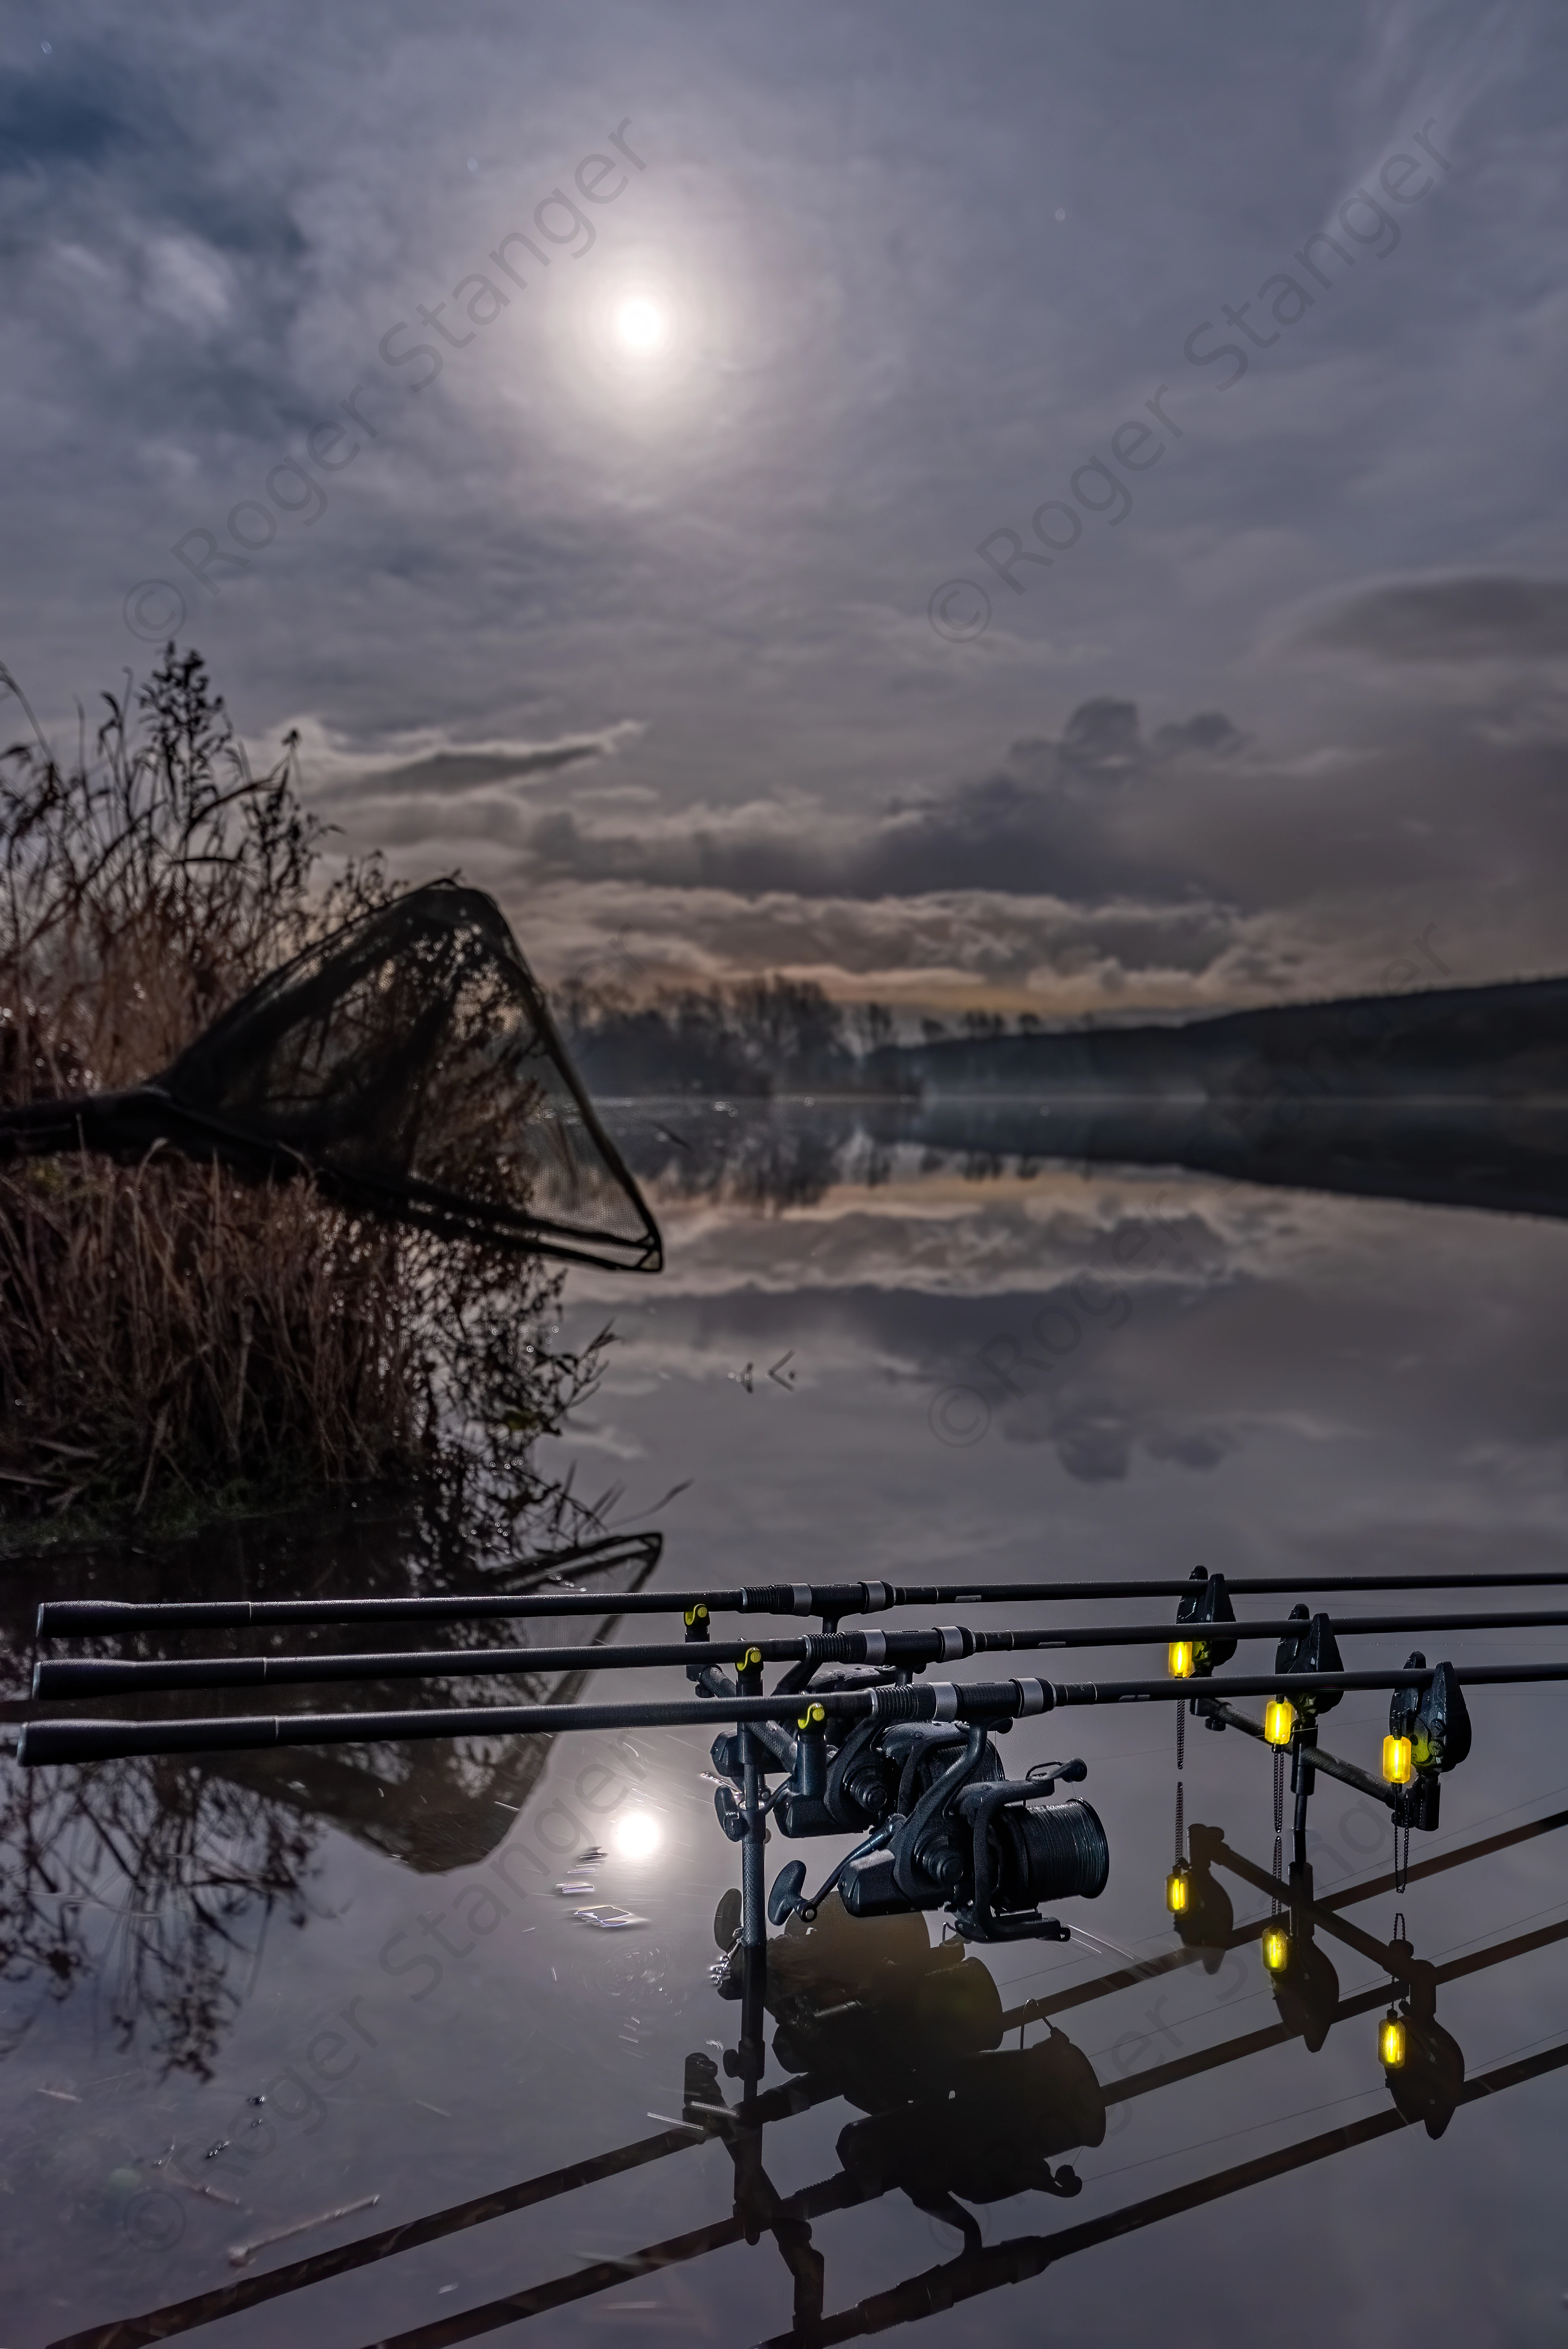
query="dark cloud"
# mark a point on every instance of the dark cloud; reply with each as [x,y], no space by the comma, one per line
[1057,820]
[1169,843]
[1481,618]
[882,358]
[1211,735]
[456,771]
[1101,738]
[43,126]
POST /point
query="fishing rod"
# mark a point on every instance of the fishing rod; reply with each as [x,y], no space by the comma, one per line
[993,1702]
[904,1651]
[64,1618]
[914,1772]
[831,1601]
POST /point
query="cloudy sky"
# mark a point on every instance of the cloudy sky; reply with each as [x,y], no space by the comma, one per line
[1055,507]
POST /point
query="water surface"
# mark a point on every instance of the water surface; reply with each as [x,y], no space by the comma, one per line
[907,1364]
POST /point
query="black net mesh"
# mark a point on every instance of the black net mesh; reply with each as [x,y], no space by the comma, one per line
[410,1063]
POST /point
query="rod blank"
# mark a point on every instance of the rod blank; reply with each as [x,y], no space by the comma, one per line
[58,1617]
[102,1676]
[993,1702]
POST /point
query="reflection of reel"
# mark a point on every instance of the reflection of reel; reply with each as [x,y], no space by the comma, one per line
[155,2220]
[936,2007]
[726,1920]
[991,2133]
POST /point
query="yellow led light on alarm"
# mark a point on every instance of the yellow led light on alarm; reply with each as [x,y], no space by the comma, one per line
[1398,1761]
[1391,2040]
[1180,1659]
[1277,1949]
[1179,1889]
[1279,1721]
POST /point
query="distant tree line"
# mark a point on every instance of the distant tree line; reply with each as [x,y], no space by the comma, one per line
[751,1039]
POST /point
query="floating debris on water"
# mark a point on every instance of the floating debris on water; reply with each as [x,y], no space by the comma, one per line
[208,2193]
[609,1918]
[575,1885]
[586,1858]
[64,2095]
[242,2254]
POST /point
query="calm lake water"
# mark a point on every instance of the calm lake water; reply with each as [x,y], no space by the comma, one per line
[860,1363]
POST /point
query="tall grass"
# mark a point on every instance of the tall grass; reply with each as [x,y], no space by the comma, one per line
[175,1341]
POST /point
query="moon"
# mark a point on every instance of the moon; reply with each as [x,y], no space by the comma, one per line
[640,325]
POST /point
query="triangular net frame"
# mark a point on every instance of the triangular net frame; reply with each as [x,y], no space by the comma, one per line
[410,1063]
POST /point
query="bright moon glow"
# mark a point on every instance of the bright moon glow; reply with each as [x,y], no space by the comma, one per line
[637,1836]
[640,325]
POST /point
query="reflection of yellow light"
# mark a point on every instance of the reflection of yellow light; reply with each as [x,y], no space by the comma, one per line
[1279,1721]
[1180,1659]
[1391,2040]
[1179,1889]
[640,325]
[638,1836]
[1399,1766]
[1277,1949]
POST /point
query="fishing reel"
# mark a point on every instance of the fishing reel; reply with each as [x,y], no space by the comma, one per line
[840,1781]
[953,1833]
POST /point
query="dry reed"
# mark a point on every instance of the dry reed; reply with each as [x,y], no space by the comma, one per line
[174,1342]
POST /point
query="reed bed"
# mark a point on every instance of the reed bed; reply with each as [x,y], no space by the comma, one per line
[175,1341]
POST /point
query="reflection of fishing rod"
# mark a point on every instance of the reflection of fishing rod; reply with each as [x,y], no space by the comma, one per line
[1026,2256]
[241,2293]
[799,2095]
[905,1651]
[829,1600]
[972,2273]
